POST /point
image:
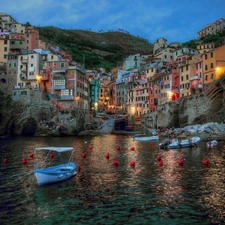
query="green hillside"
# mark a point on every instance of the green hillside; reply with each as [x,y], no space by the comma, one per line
[106,49]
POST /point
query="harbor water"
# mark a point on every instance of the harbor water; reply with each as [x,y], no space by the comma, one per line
[102,193]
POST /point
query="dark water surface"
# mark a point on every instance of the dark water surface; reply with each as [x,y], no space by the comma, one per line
[104,194]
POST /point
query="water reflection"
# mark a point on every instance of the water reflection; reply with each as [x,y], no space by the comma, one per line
[103,193]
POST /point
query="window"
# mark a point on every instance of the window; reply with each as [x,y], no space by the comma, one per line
[205,56]
[186,77]
[206,67]
[212,76]
[32,56]
[211,66]
[182,78]
[186,67]
[5,49]
[23,92]
[62,65]
[211,54]
[5,42]
[206,77]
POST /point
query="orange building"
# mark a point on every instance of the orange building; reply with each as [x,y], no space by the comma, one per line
[213,65]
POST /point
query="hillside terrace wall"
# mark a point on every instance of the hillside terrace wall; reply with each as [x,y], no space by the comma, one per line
[189,110]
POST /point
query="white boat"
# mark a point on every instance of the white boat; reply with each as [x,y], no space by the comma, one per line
[53,169]
[178,144]
[147,138]
[211,144]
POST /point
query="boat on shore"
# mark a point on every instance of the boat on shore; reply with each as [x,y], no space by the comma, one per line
[211,144]
[146,138]
[178,144]
[53,168]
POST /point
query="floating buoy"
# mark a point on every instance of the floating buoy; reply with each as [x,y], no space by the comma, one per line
[31,155]
[159,158]
[118,148]
[79,168]
[90,147]
[132,164]
[132,148]
[181,162]
[151,143]
[52,155]
[24,161]
[115,163]
[5,161]
[224,147]
[205,162]
[107,156]
[160,163]
[83,155]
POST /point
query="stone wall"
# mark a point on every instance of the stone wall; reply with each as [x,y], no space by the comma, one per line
[189,110]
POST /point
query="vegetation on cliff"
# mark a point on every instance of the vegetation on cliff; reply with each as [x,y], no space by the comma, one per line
[96,50]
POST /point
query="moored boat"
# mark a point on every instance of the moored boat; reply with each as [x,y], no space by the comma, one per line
[211,144]
[178,144]
[51,170]
[147,138]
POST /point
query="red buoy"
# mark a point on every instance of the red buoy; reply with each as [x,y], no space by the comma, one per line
[24,161]
[205,162]
[160,163]
[159,158]
[132,164]
[31,155]
[79,168]
[52,155]
[83,155]
[181,162]
[151,143]
[107,156]
[5,161]
[118,148]
[90,147]
[115,163]
[224,147]
[132,148]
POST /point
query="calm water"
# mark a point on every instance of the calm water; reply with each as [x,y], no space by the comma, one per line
[104,194]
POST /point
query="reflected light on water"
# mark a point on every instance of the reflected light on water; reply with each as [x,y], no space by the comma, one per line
[145,194]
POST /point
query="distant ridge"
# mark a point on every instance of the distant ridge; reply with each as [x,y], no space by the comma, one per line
[103,49]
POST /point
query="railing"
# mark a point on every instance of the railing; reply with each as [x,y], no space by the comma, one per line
[194,78]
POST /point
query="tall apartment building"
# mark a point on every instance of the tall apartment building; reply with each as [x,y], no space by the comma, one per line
[213,28]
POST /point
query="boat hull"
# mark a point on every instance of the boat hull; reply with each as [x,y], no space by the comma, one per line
[55,174]
[187,143]
[151,138]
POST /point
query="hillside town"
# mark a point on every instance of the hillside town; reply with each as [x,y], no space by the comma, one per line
[139,86]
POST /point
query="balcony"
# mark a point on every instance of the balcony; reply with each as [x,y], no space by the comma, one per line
[24,61]
[59,87]
[194,78]
[66,97]
[198,86]
[24,69]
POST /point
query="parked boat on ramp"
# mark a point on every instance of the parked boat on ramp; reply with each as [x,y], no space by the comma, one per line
[178,144]
[146,138]
[211,144]
[53,168]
